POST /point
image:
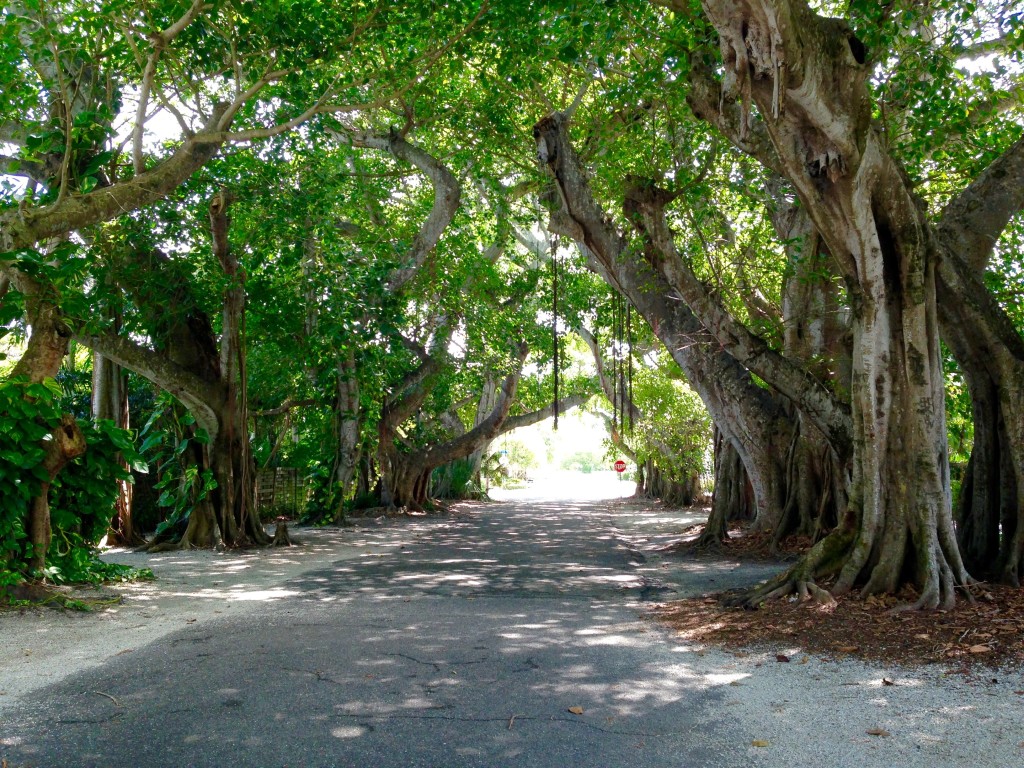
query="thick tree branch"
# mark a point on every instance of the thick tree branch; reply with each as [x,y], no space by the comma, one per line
[973,221]
[486,430]
[830,415]
[565,405]
[447,193]
[23,229]
[195,393]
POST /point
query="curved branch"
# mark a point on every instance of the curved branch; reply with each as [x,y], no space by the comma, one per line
[447,194]
[565,405]
[607,386]
[973,221]
[194,392]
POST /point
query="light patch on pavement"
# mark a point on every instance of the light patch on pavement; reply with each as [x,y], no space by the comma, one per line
[263,595]
[724,678]
[349,731]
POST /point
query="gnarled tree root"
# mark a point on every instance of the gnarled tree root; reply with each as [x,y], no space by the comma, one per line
[823,559]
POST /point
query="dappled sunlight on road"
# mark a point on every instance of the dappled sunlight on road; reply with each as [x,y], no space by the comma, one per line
[489,631]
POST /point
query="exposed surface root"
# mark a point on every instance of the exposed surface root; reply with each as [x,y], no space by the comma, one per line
[739,542]
[822,560]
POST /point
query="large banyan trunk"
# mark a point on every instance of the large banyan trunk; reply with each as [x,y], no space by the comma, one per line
[225,514]
[987,508]
[406,482]
[898,524]
[752,419]
[656,484]
[990,510]
[732,499]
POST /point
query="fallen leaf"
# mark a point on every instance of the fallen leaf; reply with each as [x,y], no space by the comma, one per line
[805,659]
[848,648]
[877,732]
[979,649]
[886,681]
[576,710]
[781,657]
[922,637]
[190,621]
[759,743]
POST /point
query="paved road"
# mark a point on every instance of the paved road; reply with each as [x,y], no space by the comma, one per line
[461,641]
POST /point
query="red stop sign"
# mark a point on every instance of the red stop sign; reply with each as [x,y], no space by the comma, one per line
[620,466]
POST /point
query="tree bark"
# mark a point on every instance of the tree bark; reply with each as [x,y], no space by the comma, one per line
[67,443]
[807,77]
[753,420]
[347,415]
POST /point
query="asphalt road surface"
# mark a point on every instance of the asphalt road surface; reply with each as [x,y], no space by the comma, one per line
[509,635]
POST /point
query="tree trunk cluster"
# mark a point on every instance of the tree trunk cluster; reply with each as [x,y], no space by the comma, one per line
[853,451]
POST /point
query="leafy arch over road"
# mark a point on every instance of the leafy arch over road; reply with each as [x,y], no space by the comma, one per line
[801,202]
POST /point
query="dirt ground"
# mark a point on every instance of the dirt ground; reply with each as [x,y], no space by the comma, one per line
[983,632]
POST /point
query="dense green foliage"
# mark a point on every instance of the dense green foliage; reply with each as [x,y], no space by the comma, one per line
[81,498]
[390,223]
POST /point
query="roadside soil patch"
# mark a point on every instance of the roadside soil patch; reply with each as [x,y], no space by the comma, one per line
[984,631]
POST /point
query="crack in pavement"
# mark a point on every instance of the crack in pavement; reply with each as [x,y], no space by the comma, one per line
[504,719]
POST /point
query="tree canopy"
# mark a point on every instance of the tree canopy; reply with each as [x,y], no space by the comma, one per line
[363,240]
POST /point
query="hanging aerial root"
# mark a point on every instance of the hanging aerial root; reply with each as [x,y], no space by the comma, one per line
[823,559]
